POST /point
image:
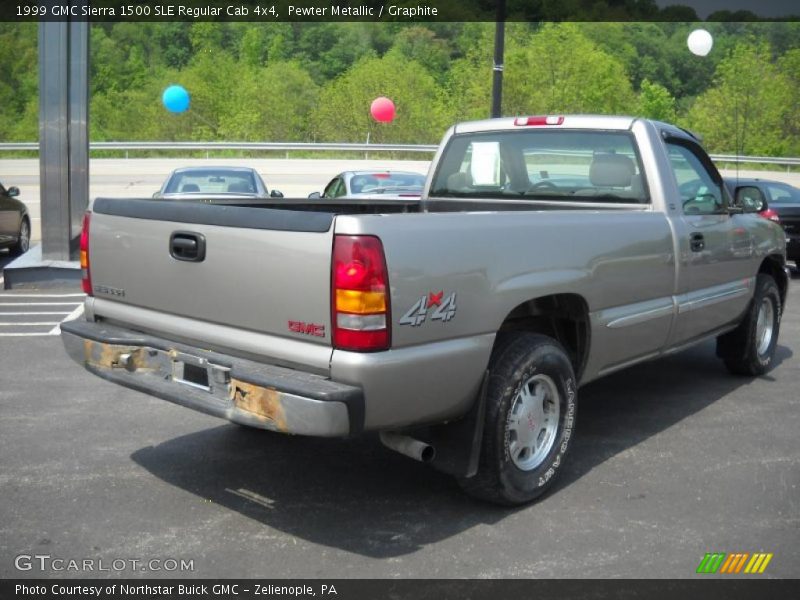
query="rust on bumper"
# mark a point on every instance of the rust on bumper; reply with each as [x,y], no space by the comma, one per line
[264,403]
[255,394]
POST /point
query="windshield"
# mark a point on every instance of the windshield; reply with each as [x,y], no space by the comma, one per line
[544,164]
[379,183]
[211,182]
[782,193]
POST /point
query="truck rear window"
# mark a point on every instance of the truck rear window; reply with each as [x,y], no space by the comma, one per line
[543,164]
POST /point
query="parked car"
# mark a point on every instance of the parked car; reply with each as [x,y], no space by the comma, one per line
[366,184]
[15,224]
[781,204]
[217,183]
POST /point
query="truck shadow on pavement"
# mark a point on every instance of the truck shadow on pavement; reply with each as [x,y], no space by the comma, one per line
[357,496]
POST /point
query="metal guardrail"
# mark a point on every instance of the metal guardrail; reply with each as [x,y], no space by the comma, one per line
[768,160]
[309,146]
[209,146]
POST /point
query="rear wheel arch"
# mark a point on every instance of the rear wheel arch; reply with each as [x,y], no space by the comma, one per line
[562,317]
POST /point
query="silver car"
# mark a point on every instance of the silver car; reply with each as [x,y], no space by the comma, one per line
[217,183]
[374,184]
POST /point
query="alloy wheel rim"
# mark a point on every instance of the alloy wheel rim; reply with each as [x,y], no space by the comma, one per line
[24,236]
[765,324]
[533,422]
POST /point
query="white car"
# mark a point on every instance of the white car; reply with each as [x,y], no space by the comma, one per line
[191,183]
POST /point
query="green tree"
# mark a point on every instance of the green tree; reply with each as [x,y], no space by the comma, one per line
[253,46]
[557,69]
[655,102]
[422,45]
[343,113]
[18,81]
[789,68]
[746,109]
[273,104]
[206,37]
[468,87]
[643,48]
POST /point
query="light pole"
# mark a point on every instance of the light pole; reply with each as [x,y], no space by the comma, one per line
[497,67]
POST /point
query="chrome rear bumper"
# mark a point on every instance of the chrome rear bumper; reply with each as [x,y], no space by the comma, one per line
[240,390]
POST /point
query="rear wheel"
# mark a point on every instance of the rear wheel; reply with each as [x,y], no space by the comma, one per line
[530,417]
[750,348]
[23,239]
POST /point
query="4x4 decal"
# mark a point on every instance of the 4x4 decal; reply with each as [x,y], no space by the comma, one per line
[445,309]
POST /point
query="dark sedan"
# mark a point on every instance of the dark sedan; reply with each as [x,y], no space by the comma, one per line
[15,224]
[783,201]
[215,183]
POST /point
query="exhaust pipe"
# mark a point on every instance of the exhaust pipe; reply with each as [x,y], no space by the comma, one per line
[409,446]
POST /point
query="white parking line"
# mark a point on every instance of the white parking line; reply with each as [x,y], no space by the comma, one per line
[18,314]
[39,303]
[24,334]
[28,324]
[71,317]
[45,295]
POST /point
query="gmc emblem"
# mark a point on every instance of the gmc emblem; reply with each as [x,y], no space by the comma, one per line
[307,328]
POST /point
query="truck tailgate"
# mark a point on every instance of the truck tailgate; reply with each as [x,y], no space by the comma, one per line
[263,270]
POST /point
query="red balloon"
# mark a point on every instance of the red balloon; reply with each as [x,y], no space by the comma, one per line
[382,109]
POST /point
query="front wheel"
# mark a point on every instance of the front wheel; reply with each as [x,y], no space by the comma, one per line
[23,239]
[531,405]
[750,348]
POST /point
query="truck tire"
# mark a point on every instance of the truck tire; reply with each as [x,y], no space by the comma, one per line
[749,349]
[531,403]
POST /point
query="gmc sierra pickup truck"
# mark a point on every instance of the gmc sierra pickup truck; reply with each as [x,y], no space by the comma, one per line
[545,252]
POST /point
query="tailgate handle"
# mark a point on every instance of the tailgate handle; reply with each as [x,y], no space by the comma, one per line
[187,246]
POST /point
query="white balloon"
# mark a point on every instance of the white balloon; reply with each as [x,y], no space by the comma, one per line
[700,42]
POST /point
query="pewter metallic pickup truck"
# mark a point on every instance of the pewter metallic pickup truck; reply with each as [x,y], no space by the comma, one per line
[544,253]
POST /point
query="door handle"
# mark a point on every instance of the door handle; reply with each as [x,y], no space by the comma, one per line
[187,246]
[697,242]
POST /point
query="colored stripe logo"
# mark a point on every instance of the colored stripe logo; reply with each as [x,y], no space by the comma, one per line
[734,563]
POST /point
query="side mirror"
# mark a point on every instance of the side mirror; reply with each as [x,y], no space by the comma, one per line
[314,195]
[12,191]
[275,194]
[156,194]
[750,199]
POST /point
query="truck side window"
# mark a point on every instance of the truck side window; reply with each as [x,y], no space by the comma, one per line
[700,194]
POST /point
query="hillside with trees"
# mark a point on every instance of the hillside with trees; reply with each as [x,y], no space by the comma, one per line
[314,81]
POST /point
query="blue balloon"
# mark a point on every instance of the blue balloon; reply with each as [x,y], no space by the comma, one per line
[175,99]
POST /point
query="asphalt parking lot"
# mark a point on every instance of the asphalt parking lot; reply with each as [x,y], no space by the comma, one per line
[672,459]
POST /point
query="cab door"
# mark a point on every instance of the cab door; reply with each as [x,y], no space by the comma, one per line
[715,246]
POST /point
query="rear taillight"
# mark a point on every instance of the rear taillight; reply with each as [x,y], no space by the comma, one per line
[360,294]
[86,274]
[771,215]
